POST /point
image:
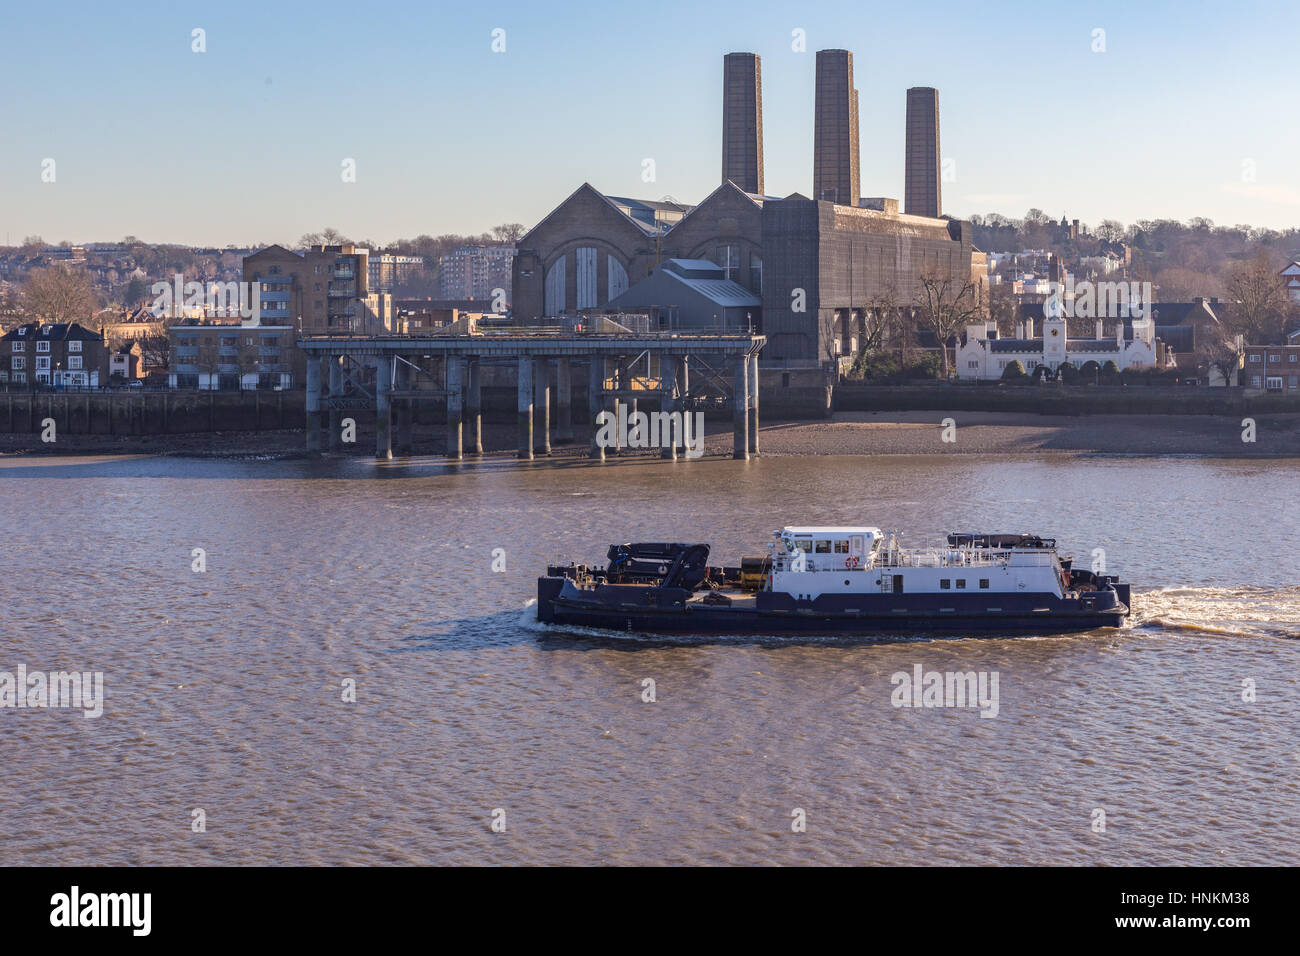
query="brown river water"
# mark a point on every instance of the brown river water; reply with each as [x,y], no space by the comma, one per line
[224,688]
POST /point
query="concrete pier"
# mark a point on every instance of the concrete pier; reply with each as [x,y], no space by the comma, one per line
[335,365]
[563,400]
[753,405]
[404,411]
[455,424]
[313,403]
[740,410]
[542,406]
[611,360]
[596,403]
[669,403]
[525,394]
[383,407]
[474,408]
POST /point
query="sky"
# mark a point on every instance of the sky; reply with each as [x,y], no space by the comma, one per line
[1175,110]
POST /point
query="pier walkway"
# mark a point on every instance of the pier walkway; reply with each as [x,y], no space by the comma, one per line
[391,372]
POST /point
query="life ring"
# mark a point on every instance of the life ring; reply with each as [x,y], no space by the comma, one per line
[851,561]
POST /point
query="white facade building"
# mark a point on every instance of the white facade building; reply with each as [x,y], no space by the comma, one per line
[983,355]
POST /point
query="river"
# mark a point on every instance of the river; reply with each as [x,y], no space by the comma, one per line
[224,687]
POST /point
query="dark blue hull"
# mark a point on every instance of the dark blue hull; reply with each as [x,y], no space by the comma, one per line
[657,610]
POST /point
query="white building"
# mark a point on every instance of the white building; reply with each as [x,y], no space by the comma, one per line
[983,355]
[1291,275]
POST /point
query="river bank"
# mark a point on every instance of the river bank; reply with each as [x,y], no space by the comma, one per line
[845,433]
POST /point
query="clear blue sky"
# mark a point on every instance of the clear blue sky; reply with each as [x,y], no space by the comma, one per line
[244,143]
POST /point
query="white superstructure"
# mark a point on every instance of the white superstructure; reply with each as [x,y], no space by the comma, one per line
[810,561]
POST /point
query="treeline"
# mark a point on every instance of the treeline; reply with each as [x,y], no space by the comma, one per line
[1184,259]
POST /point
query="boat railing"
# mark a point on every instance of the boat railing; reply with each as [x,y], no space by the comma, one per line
[923,558]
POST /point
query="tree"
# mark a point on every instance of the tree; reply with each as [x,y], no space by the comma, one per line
[1259,296]
[1218,346]
[135,291]
[1014,372]
[328,237]
[508,233]
[947,303]
[59,294]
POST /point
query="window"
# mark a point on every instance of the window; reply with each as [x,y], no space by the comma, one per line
[74,361]
[20,347]
[841,547]
[43,345]
[42,361]
[74,346]
[984,583]
[1254,357]
[1273,383]
[973,363]
[945,584]
[1254,381]
[1291,357]
[961,584]
[19,361]
[822,547]
[20,378]
[1274,357]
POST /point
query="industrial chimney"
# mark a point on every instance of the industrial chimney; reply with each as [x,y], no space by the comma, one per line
[742,121]
[835,130]
[922,192]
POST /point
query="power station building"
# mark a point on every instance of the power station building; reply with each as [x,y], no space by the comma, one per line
[815,264]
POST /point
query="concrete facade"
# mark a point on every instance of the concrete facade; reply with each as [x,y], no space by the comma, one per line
[836,167]
[742,121]
[922,189]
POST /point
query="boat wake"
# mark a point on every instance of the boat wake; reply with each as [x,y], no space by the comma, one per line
[1227,612]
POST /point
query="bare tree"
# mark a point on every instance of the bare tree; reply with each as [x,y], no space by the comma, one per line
[947,303]
[59,294]
[1259,296]
[508,233]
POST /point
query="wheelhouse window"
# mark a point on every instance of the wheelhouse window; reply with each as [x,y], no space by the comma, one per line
[945,584]
[961,584]
[823,546]
[984,583]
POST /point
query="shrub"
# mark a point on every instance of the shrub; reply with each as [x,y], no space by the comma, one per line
[1014,372]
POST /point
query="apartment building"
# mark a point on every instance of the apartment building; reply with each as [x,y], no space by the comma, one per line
[387,271]
[63,354]
[1274,368]
[323,289]
[223,356]
[476,272]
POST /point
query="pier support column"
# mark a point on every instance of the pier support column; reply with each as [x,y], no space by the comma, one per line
[474,408]
[313,402]
[542,406]
[740,411]
[334,363]
[455,381]
[596,403]
[525,394]
[563,400]
[753,405]
[670,436]
[404,409]
[383,408]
